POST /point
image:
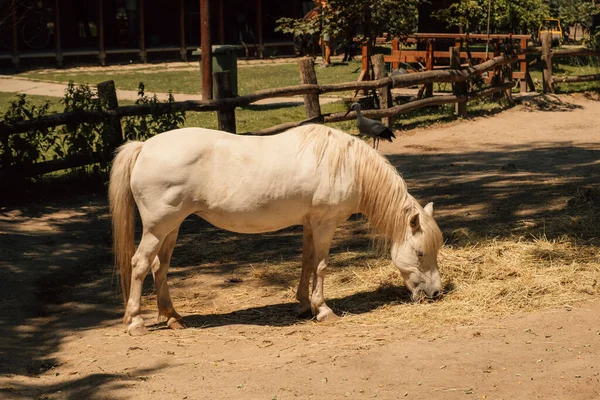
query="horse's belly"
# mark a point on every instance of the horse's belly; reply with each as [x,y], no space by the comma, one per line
[255,221]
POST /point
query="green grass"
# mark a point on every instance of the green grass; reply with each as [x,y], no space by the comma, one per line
[157,80]
[6,98]
[569,66]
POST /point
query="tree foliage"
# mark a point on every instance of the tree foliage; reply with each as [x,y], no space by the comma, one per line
[505,15]
[369,18]
[522,16]
[576,12]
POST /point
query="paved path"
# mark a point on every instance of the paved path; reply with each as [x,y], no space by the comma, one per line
[12,84]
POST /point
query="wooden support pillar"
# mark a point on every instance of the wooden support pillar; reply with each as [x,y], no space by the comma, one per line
[459,89]
[523,67]
[308,75]
[364,74]
[206,47]
[182,49]
[395,48]
[547,61]
[429,67]
[385,93]
[59,56]
[107,93]
[100,25]
[142,31]
[223,90]
[507,70]
[221,21]
[15,37]
[259,27]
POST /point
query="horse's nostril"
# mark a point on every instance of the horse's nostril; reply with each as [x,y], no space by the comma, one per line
[435,294]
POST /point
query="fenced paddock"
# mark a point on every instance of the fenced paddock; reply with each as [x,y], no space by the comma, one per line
[520,239]
[516,196]
[467,85]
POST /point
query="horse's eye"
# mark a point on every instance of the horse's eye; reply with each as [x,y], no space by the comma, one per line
[419,254]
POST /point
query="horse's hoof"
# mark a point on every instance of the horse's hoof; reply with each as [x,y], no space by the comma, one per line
[325,314]
[137,330]
[161,318]
[304,311]
[175,323]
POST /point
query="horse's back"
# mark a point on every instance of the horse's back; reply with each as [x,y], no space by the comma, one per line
[191,151]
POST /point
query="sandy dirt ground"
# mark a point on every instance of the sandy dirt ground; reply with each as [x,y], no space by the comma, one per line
[60,312]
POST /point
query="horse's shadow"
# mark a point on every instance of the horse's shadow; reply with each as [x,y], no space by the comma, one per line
[284,314]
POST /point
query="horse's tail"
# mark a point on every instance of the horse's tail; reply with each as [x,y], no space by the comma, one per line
[122,211]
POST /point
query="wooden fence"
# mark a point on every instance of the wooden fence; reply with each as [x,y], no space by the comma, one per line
[432,58]
[500,66]
[548,54]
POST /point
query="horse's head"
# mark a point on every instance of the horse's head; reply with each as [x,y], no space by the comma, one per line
[416,257]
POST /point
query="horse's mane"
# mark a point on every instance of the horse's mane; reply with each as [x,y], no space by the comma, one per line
[383,195]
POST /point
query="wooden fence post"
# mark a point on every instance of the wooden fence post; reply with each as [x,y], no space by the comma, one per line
[107,93]
[223,90]
[385,93]
[547,61]
[429,67]
[308,75]
[458,88]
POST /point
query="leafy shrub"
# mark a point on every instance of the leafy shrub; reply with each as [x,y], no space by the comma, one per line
[82,139]
[145,126]
[86,138]
[28,147]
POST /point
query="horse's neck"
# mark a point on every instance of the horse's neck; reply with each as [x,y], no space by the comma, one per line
[383,199]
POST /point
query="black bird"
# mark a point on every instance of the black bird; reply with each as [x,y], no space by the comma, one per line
[370,127]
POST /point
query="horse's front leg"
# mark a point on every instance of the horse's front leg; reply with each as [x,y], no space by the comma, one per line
[302,295]
[322,237]
[160,268]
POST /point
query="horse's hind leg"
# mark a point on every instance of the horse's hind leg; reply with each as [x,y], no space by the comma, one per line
[308,264]
[160,268]
[141,262]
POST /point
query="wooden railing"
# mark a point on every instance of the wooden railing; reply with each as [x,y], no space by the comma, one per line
[500,66]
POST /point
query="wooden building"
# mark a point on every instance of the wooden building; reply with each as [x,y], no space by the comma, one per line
[137,30]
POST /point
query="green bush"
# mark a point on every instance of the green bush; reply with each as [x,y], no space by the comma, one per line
[85,139]
[28,147]
[145,126]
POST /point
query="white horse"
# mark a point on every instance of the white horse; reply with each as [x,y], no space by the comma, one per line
[313,176]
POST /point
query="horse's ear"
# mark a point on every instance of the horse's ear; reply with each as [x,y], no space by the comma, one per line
[415,222]
[429,209]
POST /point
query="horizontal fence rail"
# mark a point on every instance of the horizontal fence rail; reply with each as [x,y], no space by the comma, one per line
[442,76]
[499,69]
